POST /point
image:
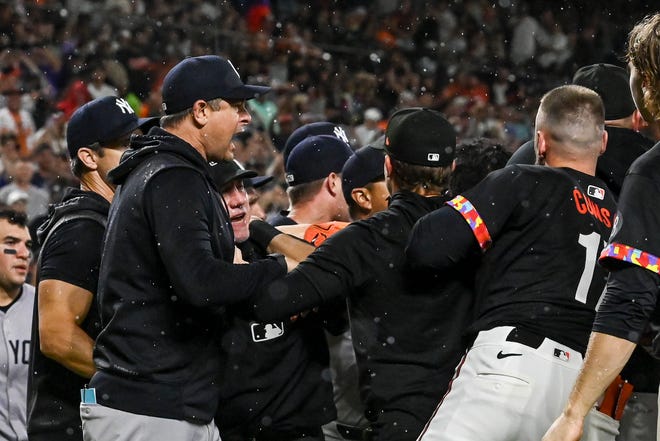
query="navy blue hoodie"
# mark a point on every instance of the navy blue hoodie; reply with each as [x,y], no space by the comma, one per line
[165,279]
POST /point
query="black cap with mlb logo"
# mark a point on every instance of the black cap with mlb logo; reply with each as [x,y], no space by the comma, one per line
[420,136]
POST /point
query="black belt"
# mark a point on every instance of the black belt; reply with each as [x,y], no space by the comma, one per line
[355,433]
[525,337]
[528,338]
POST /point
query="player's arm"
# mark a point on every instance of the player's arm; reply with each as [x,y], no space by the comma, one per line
[329,274]
[279,240]
[294,250]
[184,233]
[62,308]
[606,356]
[439,240]
[621,318]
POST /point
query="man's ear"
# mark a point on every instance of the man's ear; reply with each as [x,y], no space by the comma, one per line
[540,146]
[88,157]
[387,166]
[200,112]
[362,197]
[333,183]
[604,146]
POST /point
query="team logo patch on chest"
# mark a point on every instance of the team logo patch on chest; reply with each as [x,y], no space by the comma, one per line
[266,331]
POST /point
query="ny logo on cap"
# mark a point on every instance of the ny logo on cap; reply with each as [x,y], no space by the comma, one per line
[339,133]
[124,106]
[235,71]
[433,157]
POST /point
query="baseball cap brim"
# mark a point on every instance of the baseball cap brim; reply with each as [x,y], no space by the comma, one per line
[259,181]
[147,123]
[239,174]
[246,92]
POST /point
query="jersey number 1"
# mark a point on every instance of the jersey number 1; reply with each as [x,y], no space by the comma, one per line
[591,242]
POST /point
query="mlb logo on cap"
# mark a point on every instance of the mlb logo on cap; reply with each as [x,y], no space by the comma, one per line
[420,136]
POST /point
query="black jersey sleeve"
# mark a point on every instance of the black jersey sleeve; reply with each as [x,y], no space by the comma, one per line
[183,234]
[628,303]
[634,239]
[440,240]
[328,274]
[73,253]
[451,234]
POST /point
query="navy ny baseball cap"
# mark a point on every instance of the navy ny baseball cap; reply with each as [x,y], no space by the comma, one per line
[612,84]
[420,136]
[313,129]
[363,167]
[204,78]
[100,121]
[224,172]
[315,158]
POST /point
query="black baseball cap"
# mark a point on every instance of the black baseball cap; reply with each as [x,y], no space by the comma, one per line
[100,121]
[420,136]
[363,167]
[258,181]
[313,129]
[612,84]
[315,158]
[206,77]
[224,172]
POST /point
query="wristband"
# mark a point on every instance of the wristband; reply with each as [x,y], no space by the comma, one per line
[249,251]
[262,233]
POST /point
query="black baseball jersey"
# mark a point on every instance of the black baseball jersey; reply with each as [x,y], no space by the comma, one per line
[407,328]
[72,255]
[540,230]
[275,378]
[633,253]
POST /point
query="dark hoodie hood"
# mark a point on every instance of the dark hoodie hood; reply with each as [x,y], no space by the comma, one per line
[157,141]
[73,200]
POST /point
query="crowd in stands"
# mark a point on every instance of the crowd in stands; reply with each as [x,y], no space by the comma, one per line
[484,64]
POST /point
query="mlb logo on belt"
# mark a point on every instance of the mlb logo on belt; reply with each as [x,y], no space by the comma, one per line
[596,192]
[562,355]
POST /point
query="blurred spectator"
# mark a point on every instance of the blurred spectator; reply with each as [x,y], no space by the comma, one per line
[8,156]
[370,129]
[97,85]
[74,96]
[53,133]
[38,198]
[52,173]
[17,120]
[17,200]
